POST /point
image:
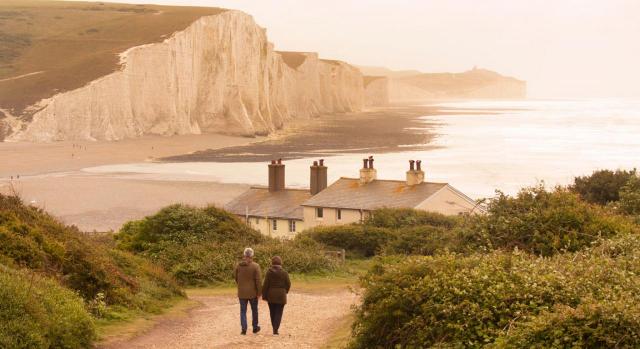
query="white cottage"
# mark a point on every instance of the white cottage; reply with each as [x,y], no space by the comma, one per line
[282,212]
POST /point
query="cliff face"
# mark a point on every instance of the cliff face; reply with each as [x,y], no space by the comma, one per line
[219,75]
[376,91]
[473,84]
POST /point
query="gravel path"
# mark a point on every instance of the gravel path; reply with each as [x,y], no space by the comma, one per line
[309,320]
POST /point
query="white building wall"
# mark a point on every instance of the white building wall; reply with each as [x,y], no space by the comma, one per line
[448,202]
[265,226]
[330,217]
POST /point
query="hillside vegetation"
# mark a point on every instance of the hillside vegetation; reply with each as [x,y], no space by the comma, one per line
[542,269]
[200,246]
[37,312]
[67,279]
[47,47]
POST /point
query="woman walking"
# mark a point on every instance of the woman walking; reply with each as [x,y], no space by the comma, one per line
[274,291]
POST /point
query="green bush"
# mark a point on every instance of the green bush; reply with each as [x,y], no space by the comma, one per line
[452,300]
[201,246]
[390,231]
[184,225]
[406,217]
[36,312]
[541,222]
[630,197]
[359,239]
[603,186]
[592,324]
[88,264]
[422,240]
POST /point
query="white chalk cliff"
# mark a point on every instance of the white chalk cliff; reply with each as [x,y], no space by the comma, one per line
[218,75]
[376,91]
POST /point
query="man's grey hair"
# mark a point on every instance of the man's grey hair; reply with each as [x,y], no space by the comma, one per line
[248,252]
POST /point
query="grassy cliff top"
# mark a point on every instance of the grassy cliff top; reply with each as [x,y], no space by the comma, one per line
[47,47]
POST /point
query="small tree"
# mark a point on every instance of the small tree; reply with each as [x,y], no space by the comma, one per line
[630,196]
[603,186]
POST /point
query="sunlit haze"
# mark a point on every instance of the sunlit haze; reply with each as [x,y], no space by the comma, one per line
[566,48]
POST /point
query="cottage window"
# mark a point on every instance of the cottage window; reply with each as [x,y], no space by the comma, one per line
[319,212]
[292,226]
[339,214]
[275,224]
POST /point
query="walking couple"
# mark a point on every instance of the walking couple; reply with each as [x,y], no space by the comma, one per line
[250,287]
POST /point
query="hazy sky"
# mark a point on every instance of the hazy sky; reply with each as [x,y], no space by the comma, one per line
[563,48]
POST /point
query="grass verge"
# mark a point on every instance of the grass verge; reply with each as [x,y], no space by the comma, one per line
[342,333]
[130,323]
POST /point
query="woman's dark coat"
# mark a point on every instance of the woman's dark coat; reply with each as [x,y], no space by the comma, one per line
[276,285]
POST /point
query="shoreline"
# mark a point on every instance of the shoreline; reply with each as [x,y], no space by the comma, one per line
[51,175]
[62,177]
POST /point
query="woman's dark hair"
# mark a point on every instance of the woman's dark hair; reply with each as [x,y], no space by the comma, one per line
[276,260]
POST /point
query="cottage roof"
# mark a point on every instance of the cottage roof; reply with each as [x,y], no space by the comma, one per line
[260,202]
[348,193]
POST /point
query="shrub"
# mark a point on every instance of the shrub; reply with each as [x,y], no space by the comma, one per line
[184,225]
[603,186]
[406,217]
[201,246]
[363,240]
[90,265]
[592,324]
[422,240]
[630,197]
[541,222]
[36,312]
[456,301]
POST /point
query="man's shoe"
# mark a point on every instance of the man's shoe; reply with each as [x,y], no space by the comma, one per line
[256,330]
[276,333]
[244,332]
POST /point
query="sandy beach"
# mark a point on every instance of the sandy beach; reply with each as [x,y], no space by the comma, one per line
[51,177]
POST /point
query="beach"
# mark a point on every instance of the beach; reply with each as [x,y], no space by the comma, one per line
[477,147]
[60,177]
[50,176]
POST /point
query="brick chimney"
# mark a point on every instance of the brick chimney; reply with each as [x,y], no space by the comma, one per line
[318,177]
[368,173]
[415,175]
[276,176]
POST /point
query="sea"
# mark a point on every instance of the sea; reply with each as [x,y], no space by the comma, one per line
[479,147]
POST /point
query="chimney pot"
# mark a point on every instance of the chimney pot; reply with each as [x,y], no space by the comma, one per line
[368,173]
[415,175]
[318,177]
[273,162]
[279,161]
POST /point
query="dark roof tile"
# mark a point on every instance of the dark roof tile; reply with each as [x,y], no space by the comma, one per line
[348,193]
[259,202]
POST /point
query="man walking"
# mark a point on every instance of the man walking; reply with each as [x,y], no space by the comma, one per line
[247,275]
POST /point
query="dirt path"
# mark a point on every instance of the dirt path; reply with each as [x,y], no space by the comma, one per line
[309,321]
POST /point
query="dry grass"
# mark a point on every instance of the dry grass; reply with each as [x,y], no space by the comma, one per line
[342,333]
[116,330]
[47,47]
